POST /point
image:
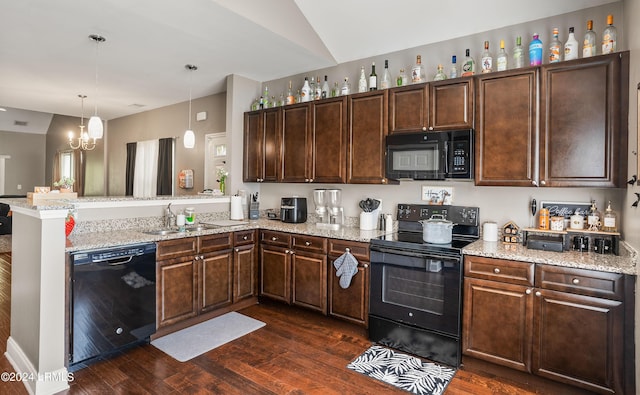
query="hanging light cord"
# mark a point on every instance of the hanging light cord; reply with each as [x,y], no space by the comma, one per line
[98,39]
[190,88]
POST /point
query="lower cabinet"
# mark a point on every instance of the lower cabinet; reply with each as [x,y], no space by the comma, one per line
[351,303]
[561,323]
[176,291]
[245,265]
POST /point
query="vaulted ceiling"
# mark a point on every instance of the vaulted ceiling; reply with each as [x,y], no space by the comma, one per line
[47,59]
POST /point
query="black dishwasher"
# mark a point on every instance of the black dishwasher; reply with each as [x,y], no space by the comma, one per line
[113,301]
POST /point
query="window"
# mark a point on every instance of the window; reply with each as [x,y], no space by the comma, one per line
[66,164]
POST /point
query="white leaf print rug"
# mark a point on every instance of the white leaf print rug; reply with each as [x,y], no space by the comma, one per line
[403,371]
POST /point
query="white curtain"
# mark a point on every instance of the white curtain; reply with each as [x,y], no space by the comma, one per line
[145,178]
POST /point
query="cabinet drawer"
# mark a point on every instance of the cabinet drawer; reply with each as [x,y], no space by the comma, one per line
[216,242]
[310,243]
[511,272]
[176,248]
[275,238]
[359,250]
[580,281]
[244,237]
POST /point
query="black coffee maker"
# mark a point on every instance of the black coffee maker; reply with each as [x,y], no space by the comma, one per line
[293,210]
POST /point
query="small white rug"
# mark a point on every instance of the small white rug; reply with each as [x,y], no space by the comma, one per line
[190,342]
[5,243]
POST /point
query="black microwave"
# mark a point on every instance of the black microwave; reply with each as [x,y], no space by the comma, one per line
[430,155]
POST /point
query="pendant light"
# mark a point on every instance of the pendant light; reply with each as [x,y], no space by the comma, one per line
[83,141]
[95,126]
[189,136]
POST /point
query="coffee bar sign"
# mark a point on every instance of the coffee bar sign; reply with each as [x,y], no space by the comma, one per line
[566,209]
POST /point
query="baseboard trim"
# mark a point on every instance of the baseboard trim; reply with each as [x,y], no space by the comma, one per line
[38,383]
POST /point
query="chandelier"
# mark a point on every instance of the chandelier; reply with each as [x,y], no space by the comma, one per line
[84,142]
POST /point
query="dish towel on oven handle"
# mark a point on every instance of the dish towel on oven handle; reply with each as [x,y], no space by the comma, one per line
[346,267]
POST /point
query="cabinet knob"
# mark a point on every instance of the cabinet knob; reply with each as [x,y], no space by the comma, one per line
[274,238]
[286,251]
[201,256]
[576,281]
[534,183]
[543,182]
[347,249]
[197,258]
[307,243]
[365,265]
[424,128]
[306,180]
[237,250]
[538,293]
[245,237]
[528,291]
[384,180]
[430,127]
[496,270]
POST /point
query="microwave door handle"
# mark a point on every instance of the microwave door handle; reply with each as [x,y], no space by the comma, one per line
[446,157]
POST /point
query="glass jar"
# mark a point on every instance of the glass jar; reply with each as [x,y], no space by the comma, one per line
[543,219]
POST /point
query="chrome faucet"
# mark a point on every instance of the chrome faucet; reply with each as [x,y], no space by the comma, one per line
[168,216]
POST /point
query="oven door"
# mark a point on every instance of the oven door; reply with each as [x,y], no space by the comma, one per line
[417,288]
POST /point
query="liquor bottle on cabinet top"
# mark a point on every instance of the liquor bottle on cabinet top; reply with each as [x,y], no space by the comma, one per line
[312,89]
[609,36]
[469,65]
[518,54]
[453,71]
[440,75]
[385,81]
[417,72]
[373,78]
[325,88]
[555,48]
[346,87]
[335,92]
[305,92]
[402,78]
[535,51]
[362,82]
[290,98]
[502,60]
[317,95]
[486,62]
[589,44]
[571,46]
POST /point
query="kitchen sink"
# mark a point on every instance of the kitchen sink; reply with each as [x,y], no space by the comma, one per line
[161,232]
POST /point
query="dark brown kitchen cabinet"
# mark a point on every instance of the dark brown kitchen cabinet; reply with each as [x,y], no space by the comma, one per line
[583,127]
[577,139]
[245,265]
[275,265]
[297,139]
[351,303]
[506,119]
[329,145]
[309,272]
[368,127]
[564,324]
[261,145]
[438,105]
[193,276]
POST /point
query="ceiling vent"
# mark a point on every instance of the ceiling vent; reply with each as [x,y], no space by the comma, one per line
[20,123]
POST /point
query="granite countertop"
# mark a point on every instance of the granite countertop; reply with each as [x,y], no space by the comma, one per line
[625,263]
[96,240]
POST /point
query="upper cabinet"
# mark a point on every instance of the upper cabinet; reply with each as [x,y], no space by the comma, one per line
[577,139]
[438,105]
[297,138]
[367,132]
[329,148]
[261,145]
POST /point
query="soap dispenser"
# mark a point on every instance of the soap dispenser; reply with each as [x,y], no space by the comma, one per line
[593,219]
[610,220]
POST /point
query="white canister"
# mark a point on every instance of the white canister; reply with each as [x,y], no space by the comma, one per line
[368,220]
[490,231]
[576,221]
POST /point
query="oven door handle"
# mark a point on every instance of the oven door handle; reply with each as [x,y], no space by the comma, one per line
[416,254]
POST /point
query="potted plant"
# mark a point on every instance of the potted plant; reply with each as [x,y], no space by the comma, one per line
[222,178]
[65,184]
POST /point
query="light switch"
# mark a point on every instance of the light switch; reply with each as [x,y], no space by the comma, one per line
[201,116]
[19,186]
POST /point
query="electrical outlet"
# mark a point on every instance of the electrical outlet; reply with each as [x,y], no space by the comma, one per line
[19,186]
[437,194]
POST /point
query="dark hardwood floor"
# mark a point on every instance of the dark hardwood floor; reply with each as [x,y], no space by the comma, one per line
[297,352]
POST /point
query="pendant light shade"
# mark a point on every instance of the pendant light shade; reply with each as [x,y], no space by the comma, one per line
[95,126]
[189,139]
[189,136]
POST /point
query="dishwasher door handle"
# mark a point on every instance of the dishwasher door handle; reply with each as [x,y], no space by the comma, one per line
[111,262]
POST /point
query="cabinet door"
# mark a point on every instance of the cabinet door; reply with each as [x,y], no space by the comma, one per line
[176,292]
[253,166]
[329,150]
[583,128]
[271,152]
[409,108]
[506,120]
[577,340]
[496,323]
[245,275]
[350,304]
[451,104]
[275,273]
[216,274]
[309,280]
[367,132]
[296,143]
